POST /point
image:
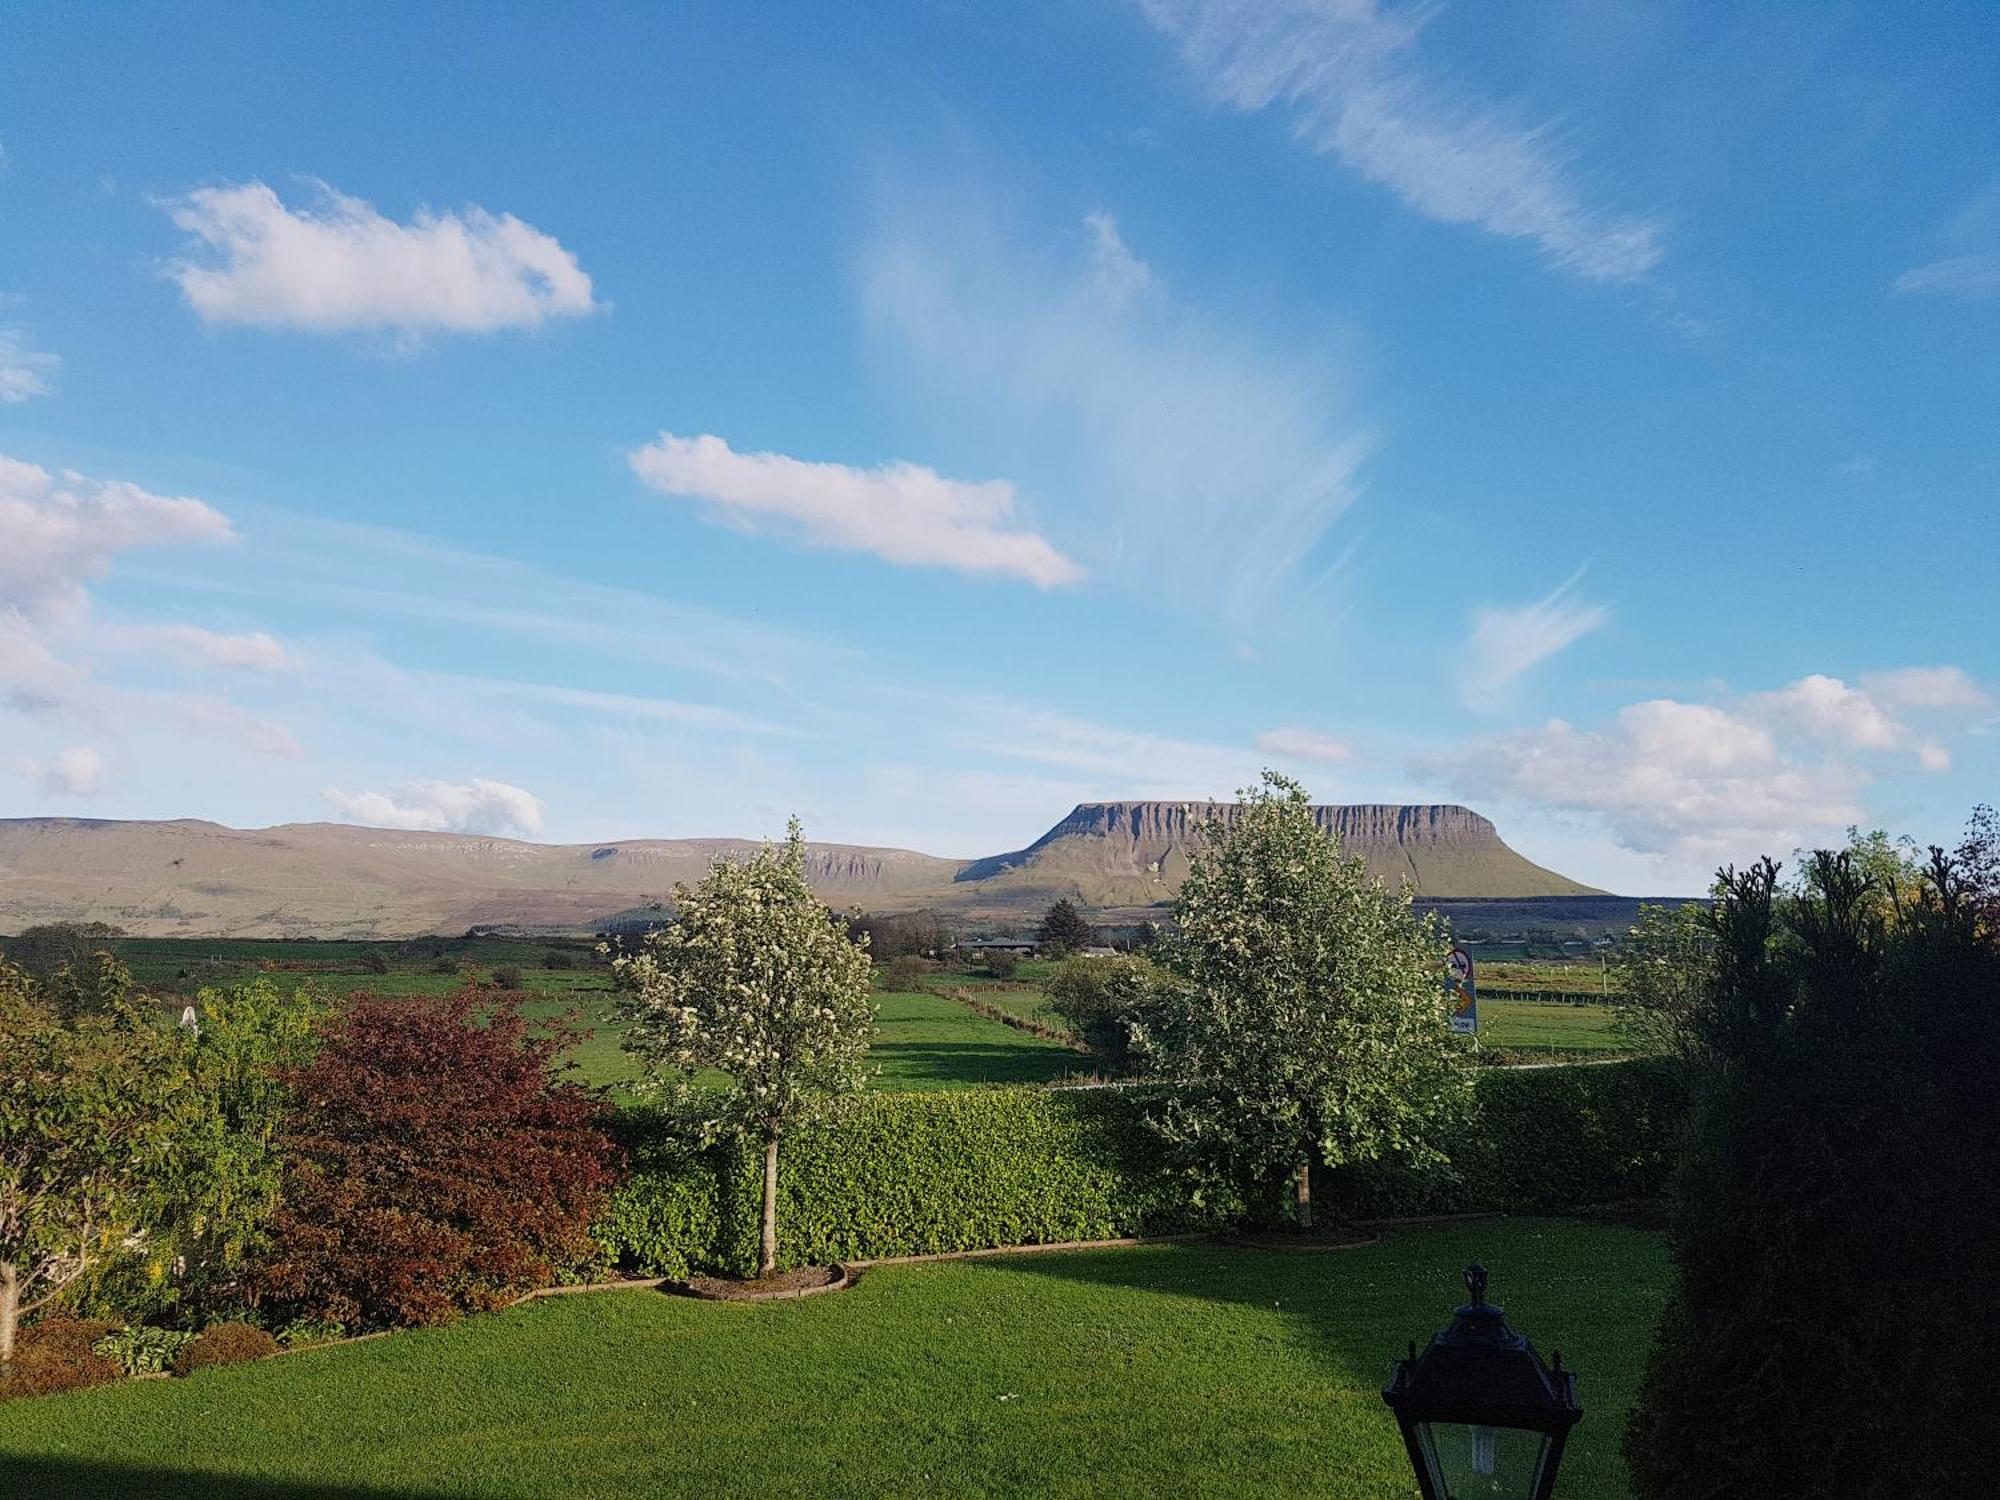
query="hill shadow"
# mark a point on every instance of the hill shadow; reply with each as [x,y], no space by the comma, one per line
[73,1479]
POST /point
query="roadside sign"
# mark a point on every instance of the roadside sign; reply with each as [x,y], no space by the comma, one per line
[1464,992]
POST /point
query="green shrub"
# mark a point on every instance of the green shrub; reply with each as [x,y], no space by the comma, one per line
[307,1331]
[225,1344]
[507,977]
[374,961]
[142,1350]
[922,1174]
[56,1355]
[559,958]
[1543,1140]
[1000,963]
[904,973]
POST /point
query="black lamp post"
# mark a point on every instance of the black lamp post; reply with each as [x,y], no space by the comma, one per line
[1480,1413]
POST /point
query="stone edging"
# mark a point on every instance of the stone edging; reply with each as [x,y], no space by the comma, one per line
[845,1276]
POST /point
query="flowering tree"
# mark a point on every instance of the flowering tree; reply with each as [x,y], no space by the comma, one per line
[85,1108]
[1312,1022]
[756,979]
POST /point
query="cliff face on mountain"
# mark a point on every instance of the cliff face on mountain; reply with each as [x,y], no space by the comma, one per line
[1132,853]
[191,878]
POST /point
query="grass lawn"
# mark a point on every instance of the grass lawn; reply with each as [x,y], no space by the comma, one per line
[1184,1370]
[928,1042]
[1528,1025]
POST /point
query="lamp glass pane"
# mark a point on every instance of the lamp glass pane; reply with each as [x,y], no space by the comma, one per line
[1482,1463]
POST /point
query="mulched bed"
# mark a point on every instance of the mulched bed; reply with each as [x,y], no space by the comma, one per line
[1319,1237]
[807,1281]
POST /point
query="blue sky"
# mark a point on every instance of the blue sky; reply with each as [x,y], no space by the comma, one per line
[611,421]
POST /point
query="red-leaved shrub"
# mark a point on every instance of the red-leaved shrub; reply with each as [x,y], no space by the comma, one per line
[437,1165]
[55,1355]
[225,1344]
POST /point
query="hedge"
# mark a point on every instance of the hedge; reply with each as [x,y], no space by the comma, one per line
[905,1174]
[1547,1139]
[926,1173]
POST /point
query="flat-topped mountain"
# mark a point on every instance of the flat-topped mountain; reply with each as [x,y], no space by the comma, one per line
[192,878]
[1133,853]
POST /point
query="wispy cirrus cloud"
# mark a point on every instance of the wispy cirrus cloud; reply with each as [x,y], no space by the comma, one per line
[1305,744]
[63,533]
[1970,270]
[1204,466]
[25,371]
[1352,77]
[900,512]
[192,645]
[1967,276]
[1508,640]
[339,265]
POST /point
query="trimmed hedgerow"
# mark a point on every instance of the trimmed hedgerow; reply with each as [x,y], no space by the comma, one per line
[902,1174]
[1544,1140]
[926,1173]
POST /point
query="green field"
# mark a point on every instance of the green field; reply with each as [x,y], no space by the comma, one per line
[1189,1370]
[1579,978]
[924,1040]
[1531,1026]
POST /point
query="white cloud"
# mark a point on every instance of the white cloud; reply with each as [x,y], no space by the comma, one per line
[1505,642]
[75,772]
[247,651]
[478,806]
[1121,274]
[1305,744]
[341,266]
[1348,72]
[901,512]
[1968,276]
[1826,710]
[33,679]
[1947,689]
[1688,781]
[63,530]
[1205,469]
[24,370]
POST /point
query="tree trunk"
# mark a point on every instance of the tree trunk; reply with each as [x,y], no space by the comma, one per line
[1304,1182]
[10,1307]
[767,1254]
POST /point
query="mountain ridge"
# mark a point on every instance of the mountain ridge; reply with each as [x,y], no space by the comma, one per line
[194,877]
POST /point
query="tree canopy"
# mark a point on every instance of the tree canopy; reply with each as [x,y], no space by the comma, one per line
[758,980]
[1064,929]
[1310,1024]
[86,1112]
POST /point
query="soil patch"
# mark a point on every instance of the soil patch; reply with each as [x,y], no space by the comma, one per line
[806,1281]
